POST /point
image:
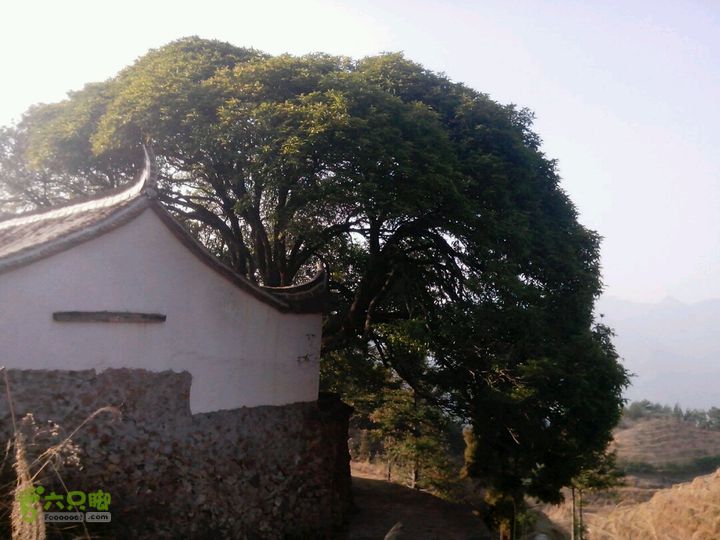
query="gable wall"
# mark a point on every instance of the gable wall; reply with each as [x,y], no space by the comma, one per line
[239,351]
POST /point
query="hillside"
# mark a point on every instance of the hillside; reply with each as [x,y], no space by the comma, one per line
[648,506]
[657,452]
[380,505]
[660,441]
[683,512]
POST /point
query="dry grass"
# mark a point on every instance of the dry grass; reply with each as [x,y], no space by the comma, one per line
[688,511]
[366,469]
[24,529]
[629,512]
[661,441]
[21,528]
[53,457]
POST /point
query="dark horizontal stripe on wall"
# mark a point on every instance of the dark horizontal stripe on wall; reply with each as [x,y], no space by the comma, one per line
[108,316]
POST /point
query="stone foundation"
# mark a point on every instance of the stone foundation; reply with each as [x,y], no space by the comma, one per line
[263,472]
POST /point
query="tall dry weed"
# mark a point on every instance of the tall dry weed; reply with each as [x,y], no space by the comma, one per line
[27,516]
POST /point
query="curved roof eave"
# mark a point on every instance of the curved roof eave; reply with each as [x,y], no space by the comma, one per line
[104,213]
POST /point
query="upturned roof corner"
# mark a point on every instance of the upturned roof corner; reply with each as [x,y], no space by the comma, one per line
[31,236]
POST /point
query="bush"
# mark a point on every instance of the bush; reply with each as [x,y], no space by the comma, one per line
[697,466]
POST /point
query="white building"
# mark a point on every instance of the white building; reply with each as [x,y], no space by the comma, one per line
[115,281]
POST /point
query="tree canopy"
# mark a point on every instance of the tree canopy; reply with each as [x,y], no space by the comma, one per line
[455,259]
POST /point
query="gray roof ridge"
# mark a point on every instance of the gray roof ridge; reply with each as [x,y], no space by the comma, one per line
[144,185]
[66,241]
[125,204]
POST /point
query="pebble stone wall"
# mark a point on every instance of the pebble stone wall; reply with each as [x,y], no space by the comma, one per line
[275,472]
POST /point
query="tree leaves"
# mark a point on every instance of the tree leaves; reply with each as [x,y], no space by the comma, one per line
[431,205]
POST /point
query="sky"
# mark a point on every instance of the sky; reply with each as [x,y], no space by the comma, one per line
[625,94]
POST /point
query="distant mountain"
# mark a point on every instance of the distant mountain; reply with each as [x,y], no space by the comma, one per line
[673,349]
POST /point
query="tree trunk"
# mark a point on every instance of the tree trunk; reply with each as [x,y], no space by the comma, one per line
[389,470]
[416,434]
[573,525]
[414,475]
[581,529]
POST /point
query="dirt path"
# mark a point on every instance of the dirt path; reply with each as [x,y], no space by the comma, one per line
[381,504]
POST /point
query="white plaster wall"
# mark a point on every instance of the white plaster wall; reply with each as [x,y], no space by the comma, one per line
[240,351]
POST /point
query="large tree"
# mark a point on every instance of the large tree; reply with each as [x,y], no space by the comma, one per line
[454,257]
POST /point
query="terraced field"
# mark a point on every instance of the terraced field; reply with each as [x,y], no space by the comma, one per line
[657,504]
[665,440]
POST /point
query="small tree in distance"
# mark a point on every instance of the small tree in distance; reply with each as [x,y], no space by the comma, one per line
[413,436]
[601,473]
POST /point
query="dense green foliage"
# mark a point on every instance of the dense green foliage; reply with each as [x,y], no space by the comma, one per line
[456,262]
[413,436]
[694,467]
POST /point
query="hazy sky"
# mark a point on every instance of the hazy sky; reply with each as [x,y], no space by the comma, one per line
[625,93]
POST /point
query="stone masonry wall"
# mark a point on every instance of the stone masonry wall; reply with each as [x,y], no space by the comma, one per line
[263,472]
